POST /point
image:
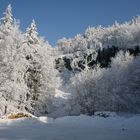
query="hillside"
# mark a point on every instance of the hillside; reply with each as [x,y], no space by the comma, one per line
[101,68]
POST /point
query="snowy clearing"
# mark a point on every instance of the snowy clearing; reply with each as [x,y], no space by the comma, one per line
[72,128]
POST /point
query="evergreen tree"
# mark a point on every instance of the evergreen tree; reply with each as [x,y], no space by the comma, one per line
[40,76]
[10,70]
[32,74]
[7,20]
[32,35]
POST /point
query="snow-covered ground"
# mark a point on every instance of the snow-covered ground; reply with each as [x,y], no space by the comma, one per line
[72,128]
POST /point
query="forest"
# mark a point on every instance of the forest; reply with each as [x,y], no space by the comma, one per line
[95,71]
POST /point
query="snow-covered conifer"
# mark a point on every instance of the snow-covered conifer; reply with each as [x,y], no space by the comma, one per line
[32,34]
[11,80]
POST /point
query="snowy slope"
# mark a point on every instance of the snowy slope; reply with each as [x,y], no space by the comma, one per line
[72,128]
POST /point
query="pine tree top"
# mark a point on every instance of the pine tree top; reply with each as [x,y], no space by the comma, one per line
[32,34]
[7,19]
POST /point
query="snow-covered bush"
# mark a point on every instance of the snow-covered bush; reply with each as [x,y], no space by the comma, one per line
[18,115]
[112,89]
[84,88]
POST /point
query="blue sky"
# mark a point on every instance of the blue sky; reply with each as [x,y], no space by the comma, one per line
[66,18]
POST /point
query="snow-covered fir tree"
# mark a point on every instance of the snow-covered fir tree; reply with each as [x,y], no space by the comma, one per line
[8,18]
[10,72]
[41,75]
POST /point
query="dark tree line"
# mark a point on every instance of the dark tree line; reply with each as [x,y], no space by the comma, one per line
[102,58]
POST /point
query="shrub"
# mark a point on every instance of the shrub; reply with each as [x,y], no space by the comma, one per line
[19,115]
